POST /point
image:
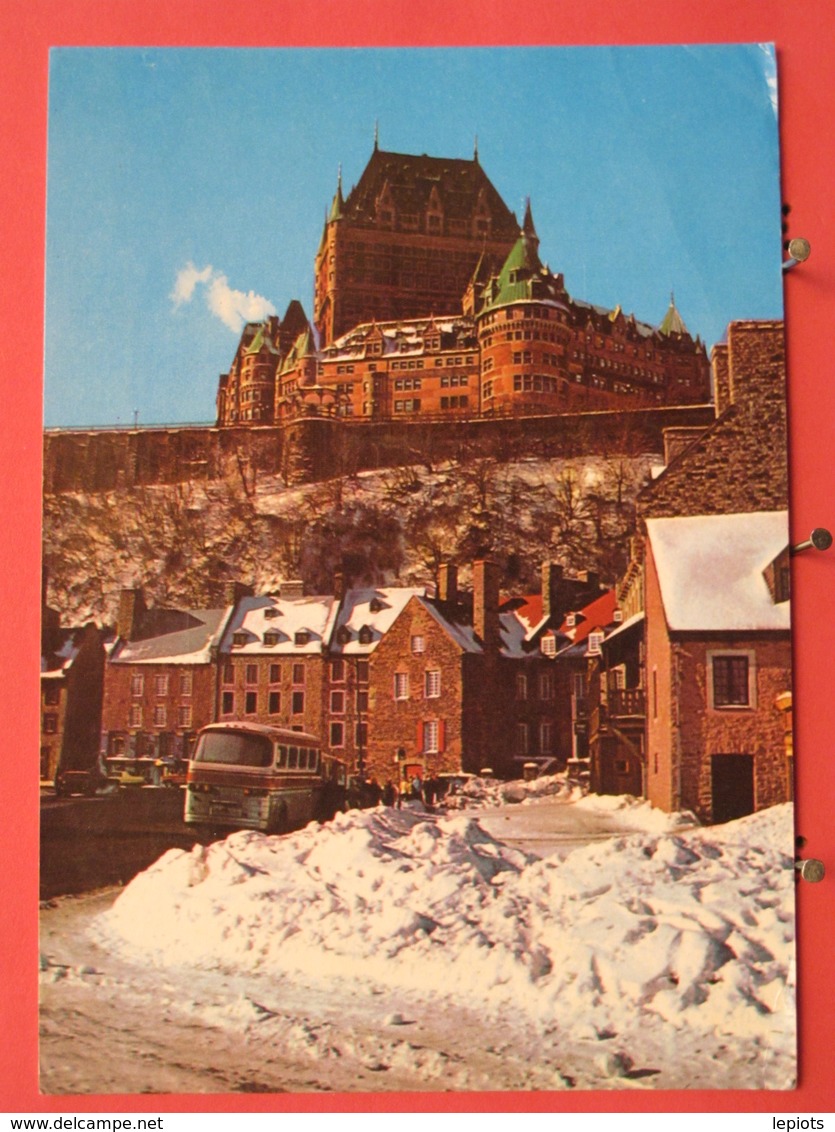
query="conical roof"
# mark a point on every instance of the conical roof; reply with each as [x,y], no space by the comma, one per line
[672,322]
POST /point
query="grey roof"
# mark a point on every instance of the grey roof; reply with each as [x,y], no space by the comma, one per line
[175,636]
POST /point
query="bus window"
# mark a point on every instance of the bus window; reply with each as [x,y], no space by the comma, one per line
[282,756]
[234,749]
[302,759]
[294,758]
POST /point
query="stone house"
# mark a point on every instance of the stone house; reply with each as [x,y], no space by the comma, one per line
[72,673]
[718,662]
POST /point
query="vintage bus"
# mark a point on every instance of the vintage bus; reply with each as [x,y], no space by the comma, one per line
[252,776]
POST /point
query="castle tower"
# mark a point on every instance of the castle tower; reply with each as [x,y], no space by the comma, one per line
[405,241]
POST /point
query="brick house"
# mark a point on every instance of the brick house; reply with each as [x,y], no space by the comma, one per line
[161,680]
[272,660]
[718,657]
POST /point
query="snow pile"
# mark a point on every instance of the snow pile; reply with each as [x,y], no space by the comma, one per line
[637,813]
[691,931]
[480,793]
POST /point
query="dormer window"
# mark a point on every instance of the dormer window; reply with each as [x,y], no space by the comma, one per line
[239,638]
[365,635]
[548,645]
[617,616]
[343,635]
[270,613]
[595,643]
[271,638]
[302,637]
[375,605]
[571,620]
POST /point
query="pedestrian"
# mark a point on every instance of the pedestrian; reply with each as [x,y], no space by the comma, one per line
[389,793]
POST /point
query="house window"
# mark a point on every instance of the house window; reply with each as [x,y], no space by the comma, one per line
[274,703]
[185,683]
[251,703]
[275,673]
[337,671]
[548,644]
[337,703]
[546,738]
[521,686]
[298,674]
[50,724]
[432,684]
[431,736]
[184,715]
[337,737]
[365,635]
[228,674]
[52,695]
[227,703]
[362,671]
[418,645]
[298,703]
[137,684]
[522,739]
[362,701]
[362,735]
[401,686]
[732,680]
[136,715]
[546,685]
[252,674]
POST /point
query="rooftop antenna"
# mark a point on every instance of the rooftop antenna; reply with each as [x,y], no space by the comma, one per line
[376,134]
[475,150]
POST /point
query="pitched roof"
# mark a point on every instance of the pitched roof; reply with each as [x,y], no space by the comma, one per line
[410,179]
[375,609]
[710,570]
[300,625]
[672,322]
[174,636]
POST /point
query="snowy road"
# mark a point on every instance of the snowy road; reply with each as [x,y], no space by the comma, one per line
[408,952]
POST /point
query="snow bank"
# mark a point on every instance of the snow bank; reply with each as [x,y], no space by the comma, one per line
[638,814]
[691,931]
[479,793]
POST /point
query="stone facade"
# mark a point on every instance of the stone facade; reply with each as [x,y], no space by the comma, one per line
[740,463]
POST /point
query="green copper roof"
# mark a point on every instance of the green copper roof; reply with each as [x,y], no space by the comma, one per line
[672,323]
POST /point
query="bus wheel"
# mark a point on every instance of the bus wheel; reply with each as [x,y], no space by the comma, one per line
[278,822]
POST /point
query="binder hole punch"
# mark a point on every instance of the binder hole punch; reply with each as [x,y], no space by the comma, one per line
[819,539]
[799,251]
[810,869]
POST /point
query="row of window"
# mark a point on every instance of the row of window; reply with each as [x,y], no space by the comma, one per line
[431,684]
[162,683]
[160,715]
[546,685]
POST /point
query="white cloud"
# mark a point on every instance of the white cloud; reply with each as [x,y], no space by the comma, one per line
[231,306]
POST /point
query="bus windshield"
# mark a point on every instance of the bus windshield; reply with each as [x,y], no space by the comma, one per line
[234,748]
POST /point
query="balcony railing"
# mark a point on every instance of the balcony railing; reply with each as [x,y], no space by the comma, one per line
[623,702]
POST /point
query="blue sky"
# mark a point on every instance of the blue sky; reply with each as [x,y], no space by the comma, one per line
[187,190]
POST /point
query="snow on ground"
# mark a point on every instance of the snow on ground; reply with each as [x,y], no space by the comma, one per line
[675,934]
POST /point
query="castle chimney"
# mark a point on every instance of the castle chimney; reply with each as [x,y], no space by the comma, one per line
[131,611]
[486,603]
[721,366]
[292,589]
[552,573]
[448,582]
[339,585]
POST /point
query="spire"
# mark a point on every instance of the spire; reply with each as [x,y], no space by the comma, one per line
[527,224]
[376,134]
[672,322]
[338,201]
[475,150]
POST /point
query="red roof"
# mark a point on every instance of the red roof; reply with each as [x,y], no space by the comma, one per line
[599,614]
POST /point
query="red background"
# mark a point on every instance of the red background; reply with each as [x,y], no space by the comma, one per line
[805,37]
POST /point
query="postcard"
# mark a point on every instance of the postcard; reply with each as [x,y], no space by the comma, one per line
[416,684]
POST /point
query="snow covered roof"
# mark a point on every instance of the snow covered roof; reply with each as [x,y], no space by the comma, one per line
[280,626]
[461,632]
[375,610]
[710,570]
[194,633]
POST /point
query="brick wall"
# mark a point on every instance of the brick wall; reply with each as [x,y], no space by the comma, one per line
[120,696]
